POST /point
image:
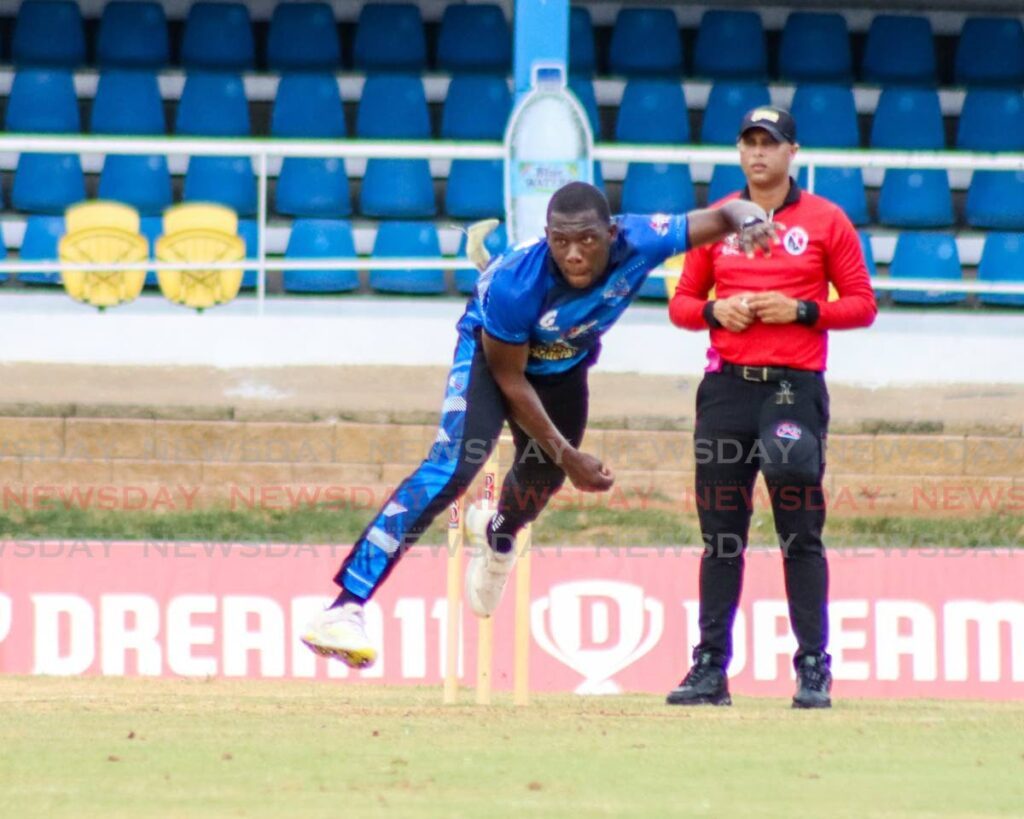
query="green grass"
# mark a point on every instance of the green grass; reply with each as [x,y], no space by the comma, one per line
[658,524]
[129,747]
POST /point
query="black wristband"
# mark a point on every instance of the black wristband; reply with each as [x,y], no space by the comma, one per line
[807,312]
[709,316]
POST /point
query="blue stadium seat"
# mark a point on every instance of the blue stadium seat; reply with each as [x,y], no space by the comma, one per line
[3,257]
[218,36]
[249,232]
[320,239]
[899,49]
[815,47]
[992,119]
[990,51]
[926,256]
[646,41]
[303,37]
[309,105]
[39,244]
[582,51]
[583,88]
[727,103]
[826,116]
[43,101]
[869,254]
[725,179]
[474,38]
[133,34]
[1002,260]
[48,32]
[657,188]
[910,118]
[214,104]
[128,102]
[393,106]
[152,227]
[730,45]
[477,107]
[408,239]
[653,111]
[390,37]
[496,242]
[844,186]
[995,200]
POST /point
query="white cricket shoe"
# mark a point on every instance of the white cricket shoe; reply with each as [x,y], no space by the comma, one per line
[488,570]
[341,633]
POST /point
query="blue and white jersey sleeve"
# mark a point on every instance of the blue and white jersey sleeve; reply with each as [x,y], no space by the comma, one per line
[657,236]
[511,301]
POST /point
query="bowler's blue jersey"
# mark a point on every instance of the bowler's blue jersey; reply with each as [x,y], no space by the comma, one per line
[522,298]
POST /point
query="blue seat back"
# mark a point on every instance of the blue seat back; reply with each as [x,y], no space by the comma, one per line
[844,187]
[926,256]
[990,51]
[583,89]
[826,116]
[133,34]
[218,36]
[995,200]
[409,239]
[908,118]
[474,38]
[397,189]
[313,187]
[228,180]
[646,41]
[657,188]
[653,110]
[390,37]
[48,32]
[1002,260]
[477,107]
[143,182]
[915,199]
[582,51]
[815,47]
[393,106]
[725,179]
[991,120]
[320,239]
[39,244]
[869,254]
[496,242]
[308,105]
[43,101]
[727,103]
[303,36]
[730,45]
[213,104]
[899,49]
[127,102]
[475,189]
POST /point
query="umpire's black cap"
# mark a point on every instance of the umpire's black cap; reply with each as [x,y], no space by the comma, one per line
[776,121]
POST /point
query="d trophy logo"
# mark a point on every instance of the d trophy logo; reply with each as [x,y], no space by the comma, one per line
[558,622]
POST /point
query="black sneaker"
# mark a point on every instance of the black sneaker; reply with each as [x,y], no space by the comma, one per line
[813,682]
[705,684]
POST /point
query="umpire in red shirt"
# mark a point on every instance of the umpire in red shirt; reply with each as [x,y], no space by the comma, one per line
[763,404]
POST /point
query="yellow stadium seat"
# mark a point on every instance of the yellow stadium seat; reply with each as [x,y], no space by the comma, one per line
[103,233]
[196,233]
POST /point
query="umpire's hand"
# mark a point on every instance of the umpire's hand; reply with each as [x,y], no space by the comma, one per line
[735,313]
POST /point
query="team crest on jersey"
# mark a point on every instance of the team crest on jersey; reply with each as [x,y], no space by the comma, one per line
[659,224]
[547,321]
[617,289]
[580,329]
[789,430]
[795,241]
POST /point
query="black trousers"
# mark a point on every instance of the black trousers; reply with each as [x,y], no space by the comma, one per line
[778,428]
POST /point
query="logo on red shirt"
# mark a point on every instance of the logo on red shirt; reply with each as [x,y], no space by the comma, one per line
[795,241]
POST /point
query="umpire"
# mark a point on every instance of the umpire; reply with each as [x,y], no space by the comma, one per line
[763,405]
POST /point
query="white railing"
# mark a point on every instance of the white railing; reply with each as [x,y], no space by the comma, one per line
[261,149]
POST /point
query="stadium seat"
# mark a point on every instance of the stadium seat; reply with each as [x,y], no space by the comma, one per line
[218,36]
[407,239]
[214,104]
[730,45]
[582,51]
[727,103]
[653,111]
[43,101]
[100,232]
[250,233]
[320,239]
[3,257]
[39,244]
[1002,260]
[911,119]
[869,254]
[992,119]
[844,187]
[390,37]
[926,256]
[133,34]
[128,102]
[646,41]
[477,107]
[303,37]
[826,116]
[200,233]
[393,106]
[725,179]
[815,47]
[496,243]
[899,49]
[995,200]
[152,227]
[657,188]
[990,51]
[48,33]
[474,38]
[583,89]
[309,105]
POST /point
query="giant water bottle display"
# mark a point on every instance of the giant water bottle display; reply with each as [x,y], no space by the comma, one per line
[547,143]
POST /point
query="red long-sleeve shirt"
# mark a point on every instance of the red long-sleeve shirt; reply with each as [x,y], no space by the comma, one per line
[819,245]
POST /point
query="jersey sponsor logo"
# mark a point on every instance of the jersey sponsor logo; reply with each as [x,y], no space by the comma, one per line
[659,224]
[795,241]
[556,351]
[580,329]
[618,288]
[730,245]
[547,321]
[789,430]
